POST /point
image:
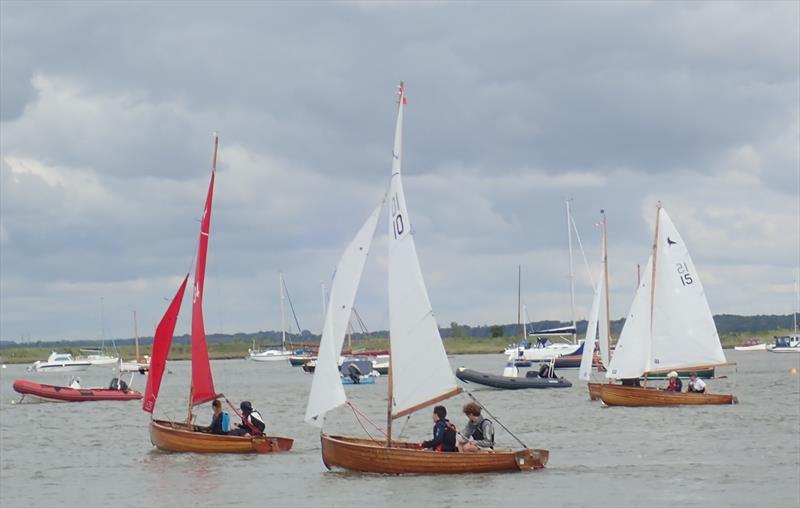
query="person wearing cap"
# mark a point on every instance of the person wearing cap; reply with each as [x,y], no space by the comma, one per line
[252,422]
[675,383]
[696,385]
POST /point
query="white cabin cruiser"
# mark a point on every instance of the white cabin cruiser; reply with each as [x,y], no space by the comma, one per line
[60,362]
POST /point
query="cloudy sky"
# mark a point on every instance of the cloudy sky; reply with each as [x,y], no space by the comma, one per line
[108,111]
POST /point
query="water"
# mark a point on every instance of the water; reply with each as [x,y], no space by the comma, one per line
[99,454]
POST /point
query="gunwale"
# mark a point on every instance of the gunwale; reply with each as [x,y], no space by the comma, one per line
[369,456]
[182,437]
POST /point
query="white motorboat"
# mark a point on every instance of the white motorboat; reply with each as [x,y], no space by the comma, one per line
[785,344]
[545,353]
[60,362]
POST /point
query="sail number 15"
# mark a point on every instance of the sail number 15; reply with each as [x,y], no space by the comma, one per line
[683,274]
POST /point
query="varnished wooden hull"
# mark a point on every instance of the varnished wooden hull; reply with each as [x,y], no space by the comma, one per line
[368,456]
[180,437]
[632,396]
[594,390]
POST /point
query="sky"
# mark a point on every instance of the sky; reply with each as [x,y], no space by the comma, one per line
[108,111]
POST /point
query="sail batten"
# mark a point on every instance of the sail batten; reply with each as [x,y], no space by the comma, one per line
[162,340]
[327,391]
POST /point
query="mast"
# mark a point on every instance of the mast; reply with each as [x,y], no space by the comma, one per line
[519,300]
[571,274]
[605,265]
[655,258]
[796,278]
[136,336]
[396,153]
[283,318]
[102,326]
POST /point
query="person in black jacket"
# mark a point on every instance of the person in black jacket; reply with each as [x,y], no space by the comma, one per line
[219,422]
[252,423]
[444,433]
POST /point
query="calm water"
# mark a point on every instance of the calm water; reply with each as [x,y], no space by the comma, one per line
[99,454]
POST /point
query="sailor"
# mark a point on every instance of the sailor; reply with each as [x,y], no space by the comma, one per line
[220,420]
[478,433]
[675,383]
[444,432]
[696,384]
[75,383]
[252,423]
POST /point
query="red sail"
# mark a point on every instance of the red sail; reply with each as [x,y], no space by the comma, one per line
[161,345]
[202,382]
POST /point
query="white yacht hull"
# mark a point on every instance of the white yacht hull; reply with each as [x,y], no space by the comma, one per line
[544,354]
[757,347]
[60,367]
[269,356]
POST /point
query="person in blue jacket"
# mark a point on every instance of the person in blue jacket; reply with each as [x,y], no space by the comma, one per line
[220,421]
[444,432]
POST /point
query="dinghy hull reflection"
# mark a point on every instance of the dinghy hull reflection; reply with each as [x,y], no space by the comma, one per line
[633,396]
[366,455]
[180,437]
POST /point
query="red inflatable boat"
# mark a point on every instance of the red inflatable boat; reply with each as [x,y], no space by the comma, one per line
[67,394]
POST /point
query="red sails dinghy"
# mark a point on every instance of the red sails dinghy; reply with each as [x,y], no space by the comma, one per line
[118,391]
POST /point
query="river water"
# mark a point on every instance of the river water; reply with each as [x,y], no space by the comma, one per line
[99,454]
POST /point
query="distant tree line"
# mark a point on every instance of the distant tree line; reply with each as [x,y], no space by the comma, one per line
[726,323]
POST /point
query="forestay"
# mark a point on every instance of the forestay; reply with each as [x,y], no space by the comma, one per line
[421,374]
[327,392]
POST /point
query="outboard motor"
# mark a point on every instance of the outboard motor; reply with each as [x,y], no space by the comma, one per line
[355,373]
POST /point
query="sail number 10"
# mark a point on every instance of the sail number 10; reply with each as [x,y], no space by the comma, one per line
[683,274]
[398,227]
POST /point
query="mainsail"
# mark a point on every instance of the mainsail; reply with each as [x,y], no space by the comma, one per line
[202,382]
[161,345]
[326,388]
[683,330]
[421,374]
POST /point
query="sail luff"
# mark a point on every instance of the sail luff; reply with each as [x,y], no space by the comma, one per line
[162,341]
[419,366]
[605,338]
[202,381]
[587,358]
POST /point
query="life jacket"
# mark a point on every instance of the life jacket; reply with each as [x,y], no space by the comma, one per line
[449,438]
[254,422]
[479,435]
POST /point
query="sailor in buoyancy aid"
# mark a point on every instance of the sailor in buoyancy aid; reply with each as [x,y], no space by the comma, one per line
[252,423]
[478,433]
[444,432]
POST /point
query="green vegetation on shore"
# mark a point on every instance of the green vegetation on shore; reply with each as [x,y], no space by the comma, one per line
[238,349]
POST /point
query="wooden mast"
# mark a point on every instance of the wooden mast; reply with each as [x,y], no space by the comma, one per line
[519,301]
[390,389]
[655,259]
[213,172]
[136,337]
[605,264]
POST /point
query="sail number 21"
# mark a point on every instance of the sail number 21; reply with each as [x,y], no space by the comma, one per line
[683,274]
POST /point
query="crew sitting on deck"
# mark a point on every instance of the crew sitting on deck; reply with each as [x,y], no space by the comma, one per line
[675,383]
[444,432]
[220,421]
[252,423]
[479,432]
[696,385]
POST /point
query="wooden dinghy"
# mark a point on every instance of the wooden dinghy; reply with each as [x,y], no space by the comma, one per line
[419,373]
[182,437]
[532,380]
[636,396]
[67,394]
[365,455]
[594,390]
[185,436]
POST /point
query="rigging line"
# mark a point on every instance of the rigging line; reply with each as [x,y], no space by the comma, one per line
[357,411]
[495,418]
[358,414]
[291,307]
[361,323]
[408,418]
[583,253]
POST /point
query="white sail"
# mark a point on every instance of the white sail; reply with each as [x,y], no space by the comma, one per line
[633,348]
[585,370]
[420,371]
[326,388]
[683,330]
[603,321]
